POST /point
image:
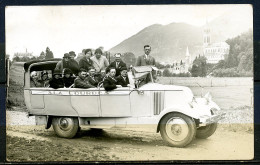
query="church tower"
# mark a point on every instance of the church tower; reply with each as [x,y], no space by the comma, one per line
[206,35]
[187,60]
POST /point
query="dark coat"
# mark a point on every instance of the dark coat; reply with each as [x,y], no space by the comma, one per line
[68,81]
[120,65]
[122,82]
[85,64]
[109,83]
[80,83]
[142,61]
[56,83]
[93,80]
[74,66]
[62,65]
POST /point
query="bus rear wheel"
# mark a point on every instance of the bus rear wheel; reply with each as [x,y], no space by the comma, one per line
[65,127]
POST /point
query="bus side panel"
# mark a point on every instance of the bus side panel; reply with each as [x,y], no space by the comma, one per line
[37,101]
[32,107]
[56,105]
[86,106]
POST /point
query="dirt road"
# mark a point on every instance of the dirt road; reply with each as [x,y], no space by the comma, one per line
[27,142]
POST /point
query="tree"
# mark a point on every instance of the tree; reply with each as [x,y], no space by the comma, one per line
[167,73]
[42,56]
[49,53]
[199,67]
[129,58]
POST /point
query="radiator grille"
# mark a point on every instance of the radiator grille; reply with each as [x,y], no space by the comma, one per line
[158,102]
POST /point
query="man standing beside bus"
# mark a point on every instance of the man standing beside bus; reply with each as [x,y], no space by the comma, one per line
[145,59]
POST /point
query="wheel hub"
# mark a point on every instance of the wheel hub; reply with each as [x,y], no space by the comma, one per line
[177,129]
[65,124]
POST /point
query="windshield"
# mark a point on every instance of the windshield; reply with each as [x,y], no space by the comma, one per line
[143,75]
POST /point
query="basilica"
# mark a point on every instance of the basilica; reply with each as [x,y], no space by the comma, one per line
[214,52]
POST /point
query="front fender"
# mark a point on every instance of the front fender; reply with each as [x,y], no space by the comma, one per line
[184,109]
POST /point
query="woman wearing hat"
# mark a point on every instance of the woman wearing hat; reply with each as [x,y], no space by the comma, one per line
[64,63]
[74,66]
[44,79]
[67,78]
[34,80]
[56,81]
[86,62]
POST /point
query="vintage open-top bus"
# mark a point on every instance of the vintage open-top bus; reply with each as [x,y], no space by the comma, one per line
[171,110]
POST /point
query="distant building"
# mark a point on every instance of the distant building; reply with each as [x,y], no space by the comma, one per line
[214,52]
[24,54]
[182,66]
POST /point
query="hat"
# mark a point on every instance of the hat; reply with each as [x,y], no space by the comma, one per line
[44,73]
[98,50]
[87,50]
[118,55]
[56,71]
[72,53]
[66,55]
[67,71]
[33,73]
[123,68]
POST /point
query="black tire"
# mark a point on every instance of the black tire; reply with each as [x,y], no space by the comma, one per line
[206,131]
[65,127]
[180,133]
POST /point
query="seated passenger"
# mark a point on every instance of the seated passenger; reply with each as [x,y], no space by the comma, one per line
[123,79]
[45,81]
[81,81]
[110,82]
[102,75]
[67,77]
[34,80]
[93,78]
[56,81]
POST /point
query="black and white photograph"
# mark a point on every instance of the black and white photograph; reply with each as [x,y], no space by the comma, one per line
[101,83]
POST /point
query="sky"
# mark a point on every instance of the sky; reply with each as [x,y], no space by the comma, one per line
[73,28]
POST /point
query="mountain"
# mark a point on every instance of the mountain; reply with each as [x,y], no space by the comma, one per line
[169,42]
[230,24]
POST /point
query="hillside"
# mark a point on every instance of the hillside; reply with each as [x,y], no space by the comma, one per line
[169,42]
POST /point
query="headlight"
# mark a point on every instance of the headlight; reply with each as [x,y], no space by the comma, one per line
[213,111]
[208,97]
[192,102]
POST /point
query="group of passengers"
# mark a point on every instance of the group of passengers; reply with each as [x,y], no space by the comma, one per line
[90,72]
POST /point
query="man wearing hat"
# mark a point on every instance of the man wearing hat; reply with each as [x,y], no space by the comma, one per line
[64,63]
[99,62]
[123,79]
[74,66]
[56,81]
[117,64]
